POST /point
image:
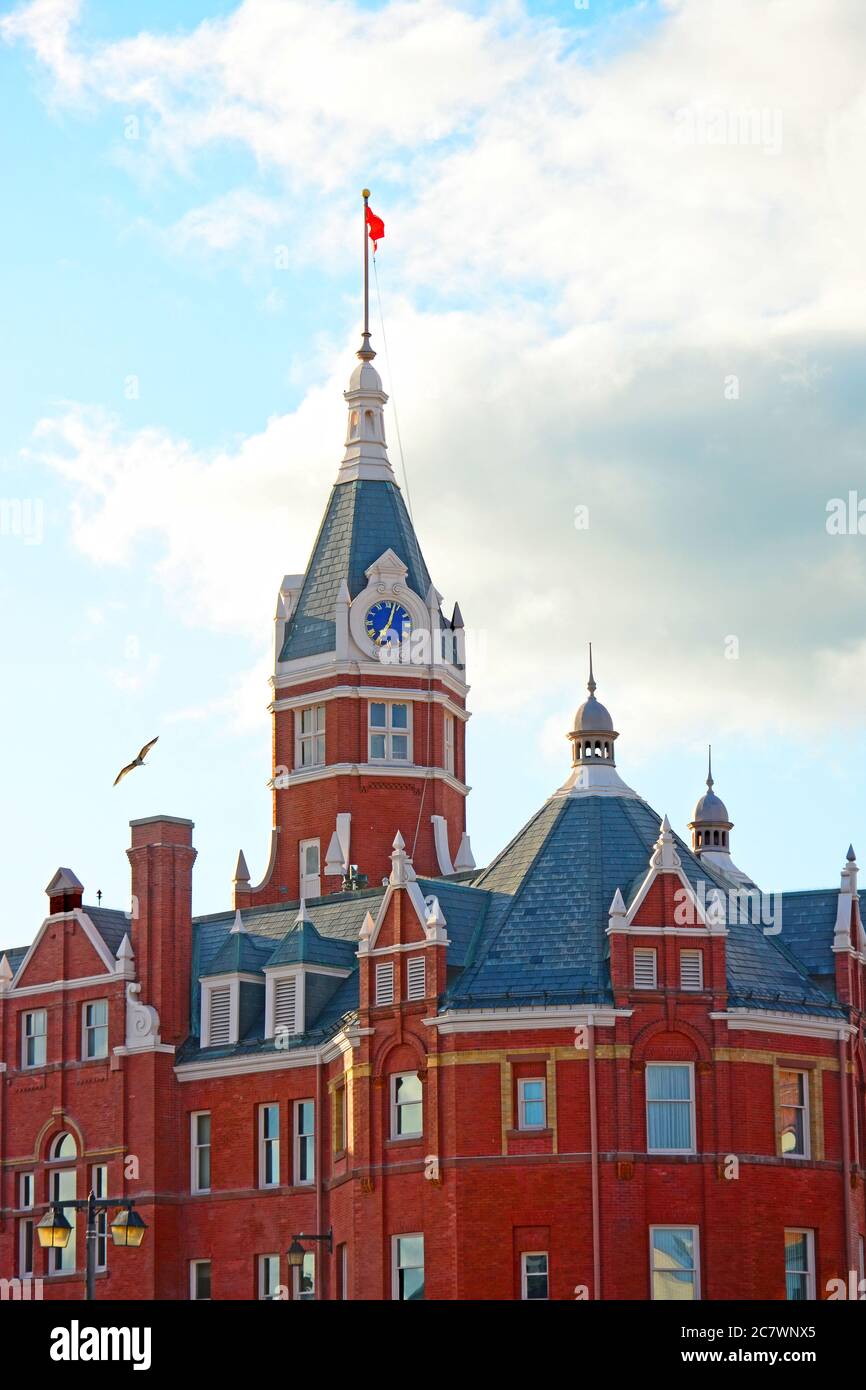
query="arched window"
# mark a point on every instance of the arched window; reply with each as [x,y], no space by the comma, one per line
[63,1146]
[715,837]
[725,838]
[368,424]
[353,424]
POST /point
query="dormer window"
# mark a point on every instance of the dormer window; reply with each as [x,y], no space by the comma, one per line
[284,1003]
[219,1012]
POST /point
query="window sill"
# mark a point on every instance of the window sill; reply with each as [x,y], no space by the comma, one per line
[529,1133]
[402,1139]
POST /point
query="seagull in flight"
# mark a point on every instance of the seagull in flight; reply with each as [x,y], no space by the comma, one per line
[136,762]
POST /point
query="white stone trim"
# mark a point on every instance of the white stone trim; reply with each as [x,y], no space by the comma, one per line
[84,982]
[407,770]
[326,666]
[440,842]
[80,916]
[509,1020]
[796,1025]
[372,692]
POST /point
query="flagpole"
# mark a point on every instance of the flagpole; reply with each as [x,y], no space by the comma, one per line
[365,194]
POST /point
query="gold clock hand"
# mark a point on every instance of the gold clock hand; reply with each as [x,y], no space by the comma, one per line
[389,622]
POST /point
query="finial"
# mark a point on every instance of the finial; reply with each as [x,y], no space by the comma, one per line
[590,685]
[710,765]
[850,856]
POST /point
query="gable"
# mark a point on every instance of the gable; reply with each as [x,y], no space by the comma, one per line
[66,948]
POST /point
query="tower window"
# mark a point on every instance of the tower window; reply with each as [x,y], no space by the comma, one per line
[449,743]
[390,732]
[310,736]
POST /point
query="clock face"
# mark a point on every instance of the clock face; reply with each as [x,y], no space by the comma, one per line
[387,622]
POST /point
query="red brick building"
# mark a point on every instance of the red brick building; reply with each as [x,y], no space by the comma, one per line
[604,1067]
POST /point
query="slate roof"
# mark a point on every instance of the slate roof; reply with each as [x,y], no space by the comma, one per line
[363,519]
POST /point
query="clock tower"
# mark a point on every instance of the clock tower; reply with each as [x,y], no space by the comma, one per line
[369,689]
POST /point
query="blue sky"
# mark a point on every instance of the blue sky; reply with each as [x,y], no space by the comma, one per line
[567,286]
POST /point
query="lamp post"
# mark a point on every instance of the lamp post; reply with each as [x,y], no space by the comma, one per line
[54,1229]
[296,1252]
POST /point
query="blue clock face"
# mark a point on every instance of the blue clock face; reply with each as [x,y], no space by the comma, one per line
[387,622]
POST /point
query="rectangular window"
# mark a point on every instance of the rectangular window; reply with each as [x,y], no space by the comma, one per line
[531,1103]
[310,869]
[219,1015]
[269,1275]
[674,1268]
[62,1187]
[285,1005]
[199,1280]
[26,1190]
[305,1276]
[533,1275]
[310,736]
[200,1151]
[449,743]
[339,1104]
[670,1107]
[305,1143]
[384,982]
[269,1145]
[794,1113]
[416,978]
[691,970]
[390,732]
[406,1106]
[34,1037]
[408,1267]
[644,962]
[99,1184]
[799,1266]
[25,1248]
[94,1029]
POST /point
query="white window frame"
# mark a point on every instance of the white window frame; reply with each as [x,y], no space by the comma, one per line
[646,953]
[208,989]
[384,983]
[696,1259]
[28,1036]
[416,978]
[194,1266]
[343,1255]
[27,1243]
[310,885]
[807,1115]
[267,1142]
[26,1191]
[297,1137]
[692,954]
[63,1260]
[448,743]
[297,1272]
[693,1131]
[272,979]
[396,1106]
[311,742]
[88,1028]
[810,1272]
[524,1275]
[389,732]
[99,1188]
[195,1148]
[395,1261]
[261,1280]
[522,1083]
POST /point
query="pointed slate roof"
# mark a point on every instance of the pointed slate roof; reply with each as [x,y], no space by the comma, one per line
[543,937]
[364,518]
[303,944]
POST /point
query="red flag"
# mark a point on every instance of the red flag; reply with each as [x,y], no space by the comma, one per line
[376,226]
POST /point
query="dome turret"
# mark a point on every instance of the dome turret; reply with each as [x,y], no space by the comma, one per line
[593,735]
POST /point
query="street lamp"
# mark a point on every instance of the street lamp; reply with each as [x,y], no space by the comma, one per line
[296,1252]
[54,1230]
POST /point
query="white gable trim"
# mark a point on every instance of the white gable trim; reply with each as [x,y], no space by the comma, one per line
[796,1025]
[79,915]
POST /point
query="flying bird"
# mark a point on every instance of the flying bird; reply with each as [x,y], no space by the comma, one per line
[136,762]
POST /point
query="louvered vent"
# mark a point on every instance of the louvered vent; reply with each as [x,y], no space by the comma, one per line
[644,968]
[417,978]
[220,1016]
[385,982]
[285,1010]
[691,969]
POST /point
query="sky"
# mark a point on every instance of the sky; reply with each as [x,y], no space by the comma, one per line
[623,283]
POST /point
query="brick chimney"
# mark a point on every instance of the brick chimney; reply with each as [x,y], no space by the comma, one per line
[162,857]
